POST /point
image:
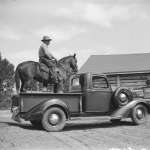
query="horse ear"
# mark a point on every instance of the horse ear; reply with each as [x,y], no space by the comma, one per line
[74,55]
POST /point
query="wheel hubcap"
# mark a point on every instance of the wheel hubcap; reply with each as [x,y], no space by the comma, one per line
[139,113]
[53,119]
[123,97]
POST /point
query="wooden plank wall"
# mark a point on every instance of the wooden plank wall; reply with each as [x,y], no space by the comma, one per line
[132,81]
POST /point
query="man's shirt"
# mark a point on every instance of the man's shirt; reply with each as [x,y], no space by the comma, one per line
[44,52]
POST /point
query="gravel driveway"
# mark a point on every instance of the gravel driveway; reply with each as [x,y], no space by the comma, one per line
[80,133]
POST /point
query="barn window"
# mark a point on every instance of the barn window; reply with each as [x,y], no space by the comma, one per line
[99,82]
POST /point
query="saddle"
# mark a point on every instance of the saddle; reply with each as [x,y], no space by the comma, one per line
[54,74]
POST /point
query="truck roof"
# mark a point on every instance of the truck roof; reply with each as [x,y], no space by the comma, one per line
[100,74]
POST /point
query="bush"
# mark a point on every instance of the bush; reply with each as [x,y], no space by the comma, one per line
[5,101]
[6,82]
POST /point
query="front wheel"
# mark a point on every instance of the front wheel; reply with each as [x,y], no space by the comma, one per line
[54,119]
[139,114]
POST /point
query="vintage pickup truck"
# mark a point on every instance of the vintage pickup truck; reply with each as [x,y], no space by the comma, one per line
[89,95]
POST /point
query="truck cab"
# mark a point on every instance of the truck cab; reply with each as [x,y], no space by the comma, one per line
[96,92]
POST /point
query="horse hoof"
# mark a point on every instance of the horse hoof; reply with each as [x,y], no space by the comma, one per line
[60,92]
[44,89]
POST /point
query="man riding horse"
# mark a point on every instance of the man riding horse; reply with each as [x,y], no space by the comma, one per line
[28,71]
[48,71]
[47,58]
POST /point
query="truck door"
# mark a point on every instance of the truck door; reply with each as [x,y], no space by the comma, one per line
[98,96]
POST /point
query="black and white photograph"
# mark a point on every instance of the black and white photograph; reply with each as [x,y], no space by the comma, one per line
[74,74]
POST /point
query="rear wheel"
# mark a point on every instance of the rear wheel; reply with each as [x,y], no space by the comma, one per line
[139,114]
[54,119]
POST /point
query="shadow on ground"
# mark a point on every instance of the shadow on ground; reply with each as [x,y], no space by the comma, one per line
[27,126]
[85,126]
[72,126]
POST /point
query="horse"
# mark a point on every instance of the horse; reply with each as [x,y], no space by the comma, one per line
[28,71]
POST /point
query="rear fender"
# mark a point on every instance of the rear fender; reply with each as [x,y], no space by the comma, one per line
[56,103]
[42,107]
[124,111]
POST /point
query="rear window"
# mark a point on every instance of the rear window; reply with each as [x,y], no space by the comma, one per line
[99,82]
[75,83]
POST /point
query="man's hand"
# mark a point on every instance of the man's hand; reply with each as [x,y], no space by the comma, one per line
[54,59]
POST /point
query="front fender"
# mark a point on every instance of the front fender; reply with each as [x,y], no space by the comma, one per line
[39,110]
[124,111]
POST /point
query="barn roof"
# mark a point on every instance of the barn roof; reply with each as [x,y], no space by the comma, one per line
[116,64]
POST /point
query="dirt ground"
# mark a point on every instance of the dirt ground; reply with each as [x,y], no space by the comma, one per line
[79,134]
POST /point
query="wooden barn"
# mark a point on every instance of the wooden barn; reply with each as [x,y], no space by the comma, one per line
[126,70]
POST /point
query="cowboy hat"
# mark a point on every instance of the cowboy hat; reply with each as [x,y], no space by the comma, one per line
[46,38]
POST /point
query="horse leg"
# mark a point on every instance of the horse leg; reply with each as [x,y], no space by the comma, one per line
[22,86]
[28,84]
[58,88]
[55,88]
[45,84]
[25,85]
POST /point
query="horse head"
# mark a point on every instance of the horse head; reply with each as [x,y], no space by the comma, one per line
[73,63]
[70,61]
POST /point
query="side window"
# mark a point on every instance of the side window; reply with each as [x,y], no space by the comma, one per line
[75,84]
[99,82]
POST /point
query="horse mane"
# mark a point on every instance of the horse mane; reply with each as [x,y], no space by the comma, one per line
[64,58]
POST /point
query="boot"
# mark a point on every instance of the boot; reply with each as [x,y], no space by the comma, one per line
[54,75]
[55,78]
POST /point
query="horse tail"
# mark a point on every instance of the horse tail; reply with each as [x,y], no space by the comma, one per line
[17,79]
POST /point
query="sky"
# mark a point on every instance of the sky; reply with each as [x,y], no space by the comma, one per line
[84,27]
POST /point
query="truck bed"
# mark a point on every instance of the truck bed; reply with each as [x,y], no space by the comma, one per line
[30,100]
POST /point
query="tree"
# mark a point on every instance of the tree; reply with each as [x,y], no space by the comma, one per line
[6,80]
[6,73]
